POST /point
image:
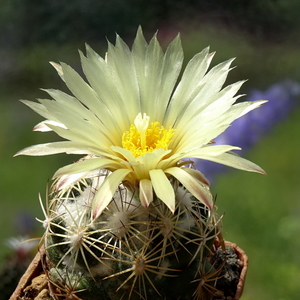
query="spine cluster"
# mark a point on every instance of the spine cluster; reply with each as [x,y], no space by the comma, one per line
[129,251]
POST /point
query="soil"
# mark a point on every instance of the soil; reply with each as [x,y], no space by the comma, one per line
[230,273]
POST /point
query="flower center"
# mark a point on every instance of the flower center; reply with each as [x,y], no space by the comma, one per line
[143,138]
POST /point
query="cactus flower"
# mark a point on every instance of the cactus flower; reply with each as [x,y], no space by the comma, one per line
[135,118]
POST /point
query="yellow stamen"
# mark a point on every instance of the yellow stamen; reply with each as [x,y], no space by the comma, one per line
[142,138]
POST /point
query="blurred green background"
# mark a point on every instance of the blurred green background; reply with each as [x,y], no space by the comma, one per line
[261,212]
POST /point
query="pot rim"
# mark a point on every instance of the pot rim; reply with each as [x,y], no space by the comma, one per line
[244,260]
[34,268]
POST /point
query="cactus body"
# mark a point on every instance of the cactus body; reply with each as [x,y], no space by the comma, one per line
[129,251]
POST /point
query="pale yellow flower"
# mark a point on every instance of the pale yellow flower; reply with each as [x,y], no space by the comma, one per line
[132,118]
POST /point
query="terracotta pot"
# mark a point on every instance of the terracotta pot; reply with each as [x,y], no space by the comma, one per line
[244,262]
[35,270]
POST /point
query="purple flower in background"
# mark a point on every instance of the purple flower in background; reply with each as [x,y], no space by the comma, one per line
[245,132]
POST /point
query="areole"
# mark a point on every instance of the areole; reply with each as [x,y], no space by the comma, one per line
[35,270]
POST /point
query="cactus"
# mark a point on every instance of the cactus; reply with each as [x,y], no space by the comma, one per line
[129,251]
[133,219]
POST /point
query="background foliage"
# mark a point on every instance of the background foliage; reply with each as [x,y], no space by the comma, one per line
[262,213]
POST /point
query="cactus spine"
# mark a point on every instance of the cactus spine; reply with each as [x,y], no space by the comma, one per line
[129,251]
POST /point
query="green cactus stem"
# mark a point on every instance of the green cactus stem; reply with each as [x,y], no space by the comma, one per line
[128,251]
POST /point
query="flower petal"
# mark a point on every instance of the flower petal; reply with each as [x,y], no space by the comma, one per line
[189,85]
[58,69]
[66,180]
[77,119]
[124,152]
[127,82]
[84,138]
[207,150]
[121,66]
[157,73]
[197,175]
[42,126]
[213,150]
[146,192]
[107,190]
[163,188]
[192,183]
[53,148]
[88,165]
[233,160]
[73,106]
[40,109]
[100,78]
[209,86]
[151,160]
